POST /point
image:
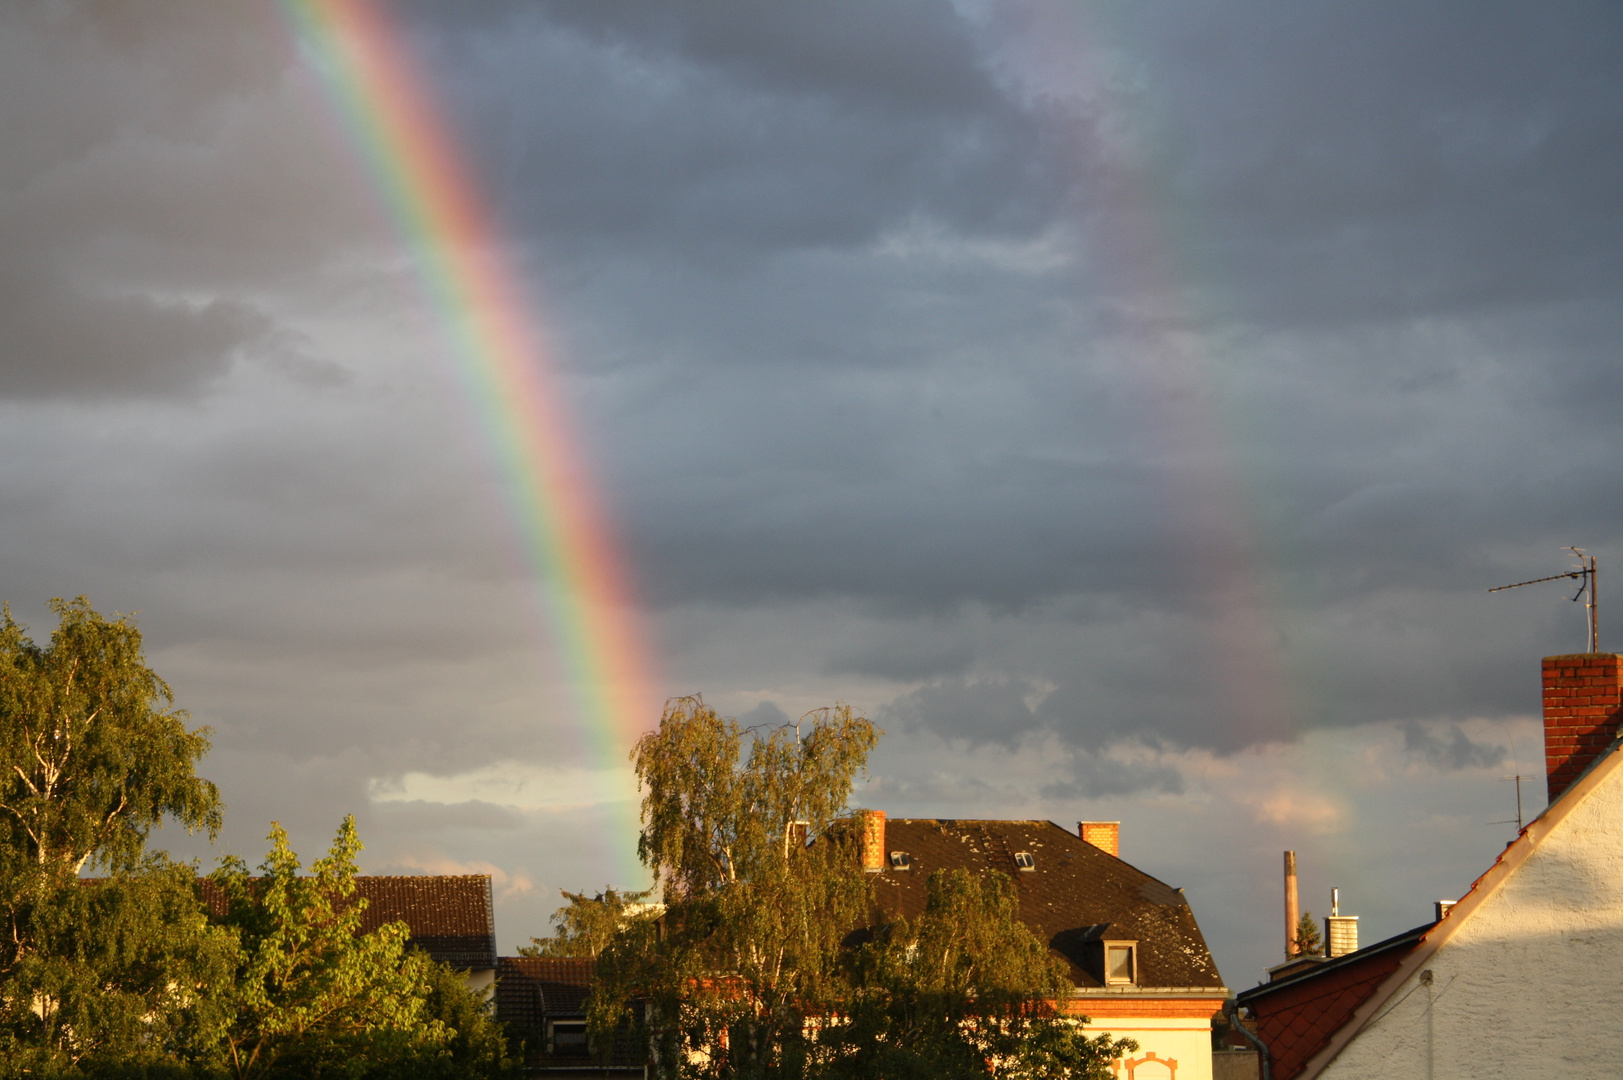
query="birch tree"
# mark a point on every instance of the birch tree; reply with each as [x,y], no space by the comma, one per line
[748,947]
[92,754]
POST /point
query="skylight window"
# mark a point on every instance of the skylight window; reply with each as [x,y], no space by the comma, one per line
[900,860]
[1024,860]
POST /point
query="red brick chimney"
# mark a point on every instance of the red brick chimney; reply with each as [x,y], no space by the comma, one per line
[873,841]
[1583,702]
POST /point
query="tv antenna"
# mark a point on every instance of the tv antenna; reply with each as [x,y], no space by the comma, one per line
[1518,778]
[1585,574]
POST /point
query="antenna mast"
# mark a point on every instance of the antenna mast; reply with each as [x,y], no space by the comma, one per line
[1586,575]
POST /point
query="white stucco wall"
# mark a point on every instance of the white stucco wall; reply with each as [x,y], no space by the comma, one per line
[1531,983]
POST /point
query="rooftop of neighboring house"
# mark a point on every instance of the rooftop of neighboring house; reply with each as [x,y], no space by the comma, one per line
[1075,896]
[1305,1016]
[530,988]
[1298,1012]
[543,1000]
[451,917]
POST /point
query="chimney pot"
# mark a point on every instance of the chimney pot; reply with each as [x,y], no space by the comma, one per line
[1583,702]
[1340,935]
[873,841]
[1104,835]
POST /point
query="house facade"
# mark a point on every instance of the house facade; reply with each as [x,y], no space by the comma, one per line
[1520,978]
[1135,954]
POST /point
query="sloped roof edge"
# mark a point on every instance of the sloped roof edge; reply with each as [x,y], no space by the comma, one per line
[1509,860]
[1396,941]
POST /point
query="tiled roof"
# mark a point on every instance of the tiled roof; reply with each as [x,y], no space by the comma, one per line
[531,988]
[1297,1014]
[1074,896]
[451,917]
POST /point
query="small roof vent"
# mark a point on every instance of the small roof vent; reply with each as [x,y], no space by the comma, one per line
[900,860]
[1024,860]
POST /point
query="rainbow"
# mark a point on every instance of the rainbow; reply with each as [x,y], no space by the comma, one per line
[579,573]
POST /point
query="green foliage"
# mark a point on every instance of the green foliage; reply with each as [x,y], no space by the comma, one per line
[965,988]
[118,973]
[126,976]
[750,972]
[586,925]
[709,821]
[1307,938]
[121,973]
[91,755]
[312,994]
[749,944]
[475,1046]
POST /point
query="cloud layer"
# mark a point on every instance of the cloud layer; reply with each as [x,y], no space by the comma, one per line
[1146,391]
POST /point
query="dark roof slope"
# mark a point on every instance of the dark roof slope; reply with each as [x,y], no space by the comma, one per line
[1074,896]
[530,988]
[451,917]
[1297,1014]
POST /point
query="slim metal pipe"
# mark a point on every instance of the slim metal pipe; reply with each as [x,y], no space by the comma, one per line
[1231,1008]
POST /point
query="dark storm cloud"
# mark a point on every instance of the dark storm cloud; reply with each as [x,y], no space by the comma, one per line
[723,131]
[852,308]
[1350,171]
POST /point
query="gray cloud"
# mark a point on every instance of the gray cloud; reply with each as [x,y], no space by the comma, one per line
[63,342]
[1457,751]
[1173,376]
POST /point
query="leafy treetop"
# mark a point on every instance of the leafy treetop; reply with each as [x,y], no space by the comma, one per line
[709,822]
[92,756]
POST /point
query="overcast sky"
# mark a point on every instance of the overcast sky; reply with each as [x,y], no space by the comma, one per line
[1125,405]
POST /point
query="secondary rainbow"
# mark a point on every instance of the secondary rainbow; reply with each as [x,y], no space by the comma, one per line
[499,349]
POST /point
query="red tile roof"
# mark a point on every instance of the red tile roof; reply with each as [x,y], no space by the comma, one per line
[451,917]
[1297,1014]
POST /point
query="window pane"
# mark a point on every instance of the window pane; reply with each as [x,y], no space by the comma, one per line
[1119,963]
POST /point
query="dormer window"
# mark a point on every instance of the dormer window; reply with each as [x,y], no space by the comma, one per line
[1024,860]
[900,860]
[567,1037]
[1121,967]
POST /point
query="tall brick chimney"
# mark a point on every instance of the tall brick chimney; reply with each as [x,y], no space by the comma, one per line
[873,841]
[1583,703]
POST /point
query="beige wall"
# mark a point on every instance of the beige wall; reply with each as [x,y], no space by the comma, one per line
[482,980]
[1530,984]
[1170,1047]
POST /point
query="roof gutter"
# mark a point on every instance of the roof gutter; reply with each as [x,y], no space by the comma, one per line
[1231,1009]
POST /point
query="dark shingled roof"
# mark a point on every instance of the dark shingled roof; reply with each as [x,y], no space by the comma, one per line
[529,988]
[1075,896]
[451,917]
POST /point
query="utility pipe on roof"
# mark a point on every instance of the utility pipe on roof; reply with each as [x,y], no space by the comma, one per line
[1231,1009]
